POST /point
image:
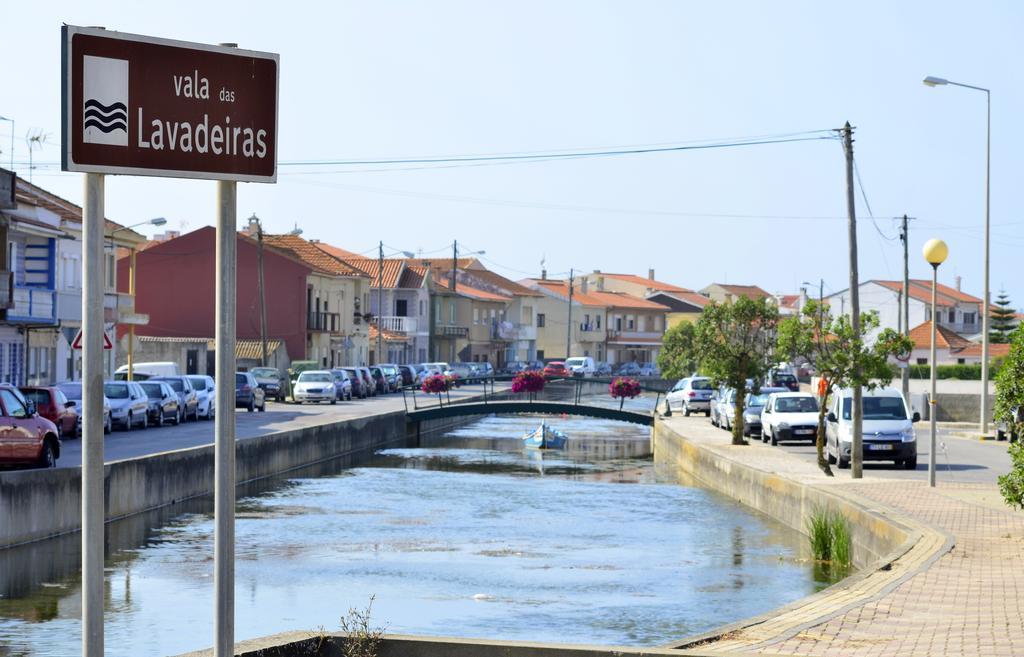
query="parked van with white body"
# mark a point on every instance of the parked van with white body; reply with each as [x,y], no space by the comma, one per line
[888,428]
[581,366]
[143,371]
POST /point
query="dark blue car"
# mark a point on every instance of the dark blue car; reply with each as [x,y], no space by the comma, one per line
[248,394]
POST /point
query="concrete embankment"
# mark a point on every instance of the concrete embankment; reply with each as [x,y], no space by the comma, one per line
[38,504]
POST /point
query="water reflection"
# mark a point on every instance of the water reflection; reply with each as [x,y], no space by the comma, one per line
[467,534]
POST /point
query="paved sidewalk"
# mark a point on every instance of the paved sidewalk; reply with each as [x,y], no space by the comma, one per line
[969,601]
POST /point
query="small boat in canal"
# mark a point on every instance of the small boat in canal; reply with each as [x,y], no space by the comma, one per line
[544,437]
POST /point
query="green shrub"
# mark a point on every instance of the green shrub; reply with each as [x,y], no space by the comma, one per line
[957,372]
[829,534]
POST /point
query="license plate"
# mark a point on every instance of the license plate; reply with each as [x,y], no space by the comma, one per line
[804,432]
[880,448]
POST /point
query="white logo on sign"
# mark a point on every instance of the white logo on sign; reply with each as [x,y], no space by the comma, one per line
[105,115]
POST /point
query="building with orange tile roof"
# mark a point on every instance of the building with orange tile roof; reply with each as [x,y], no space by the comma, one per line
[726,292]
[950,347]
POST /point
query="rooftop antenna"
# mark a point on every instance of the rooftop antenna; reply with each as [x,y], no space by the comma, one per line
[34,138]
[295,231]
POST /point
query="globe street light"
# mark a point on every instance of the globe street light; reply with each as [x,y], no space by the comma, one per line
[935,252]
[936,82]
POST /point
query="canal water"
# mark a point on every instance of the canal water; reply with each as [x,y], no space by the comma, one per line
[468,535]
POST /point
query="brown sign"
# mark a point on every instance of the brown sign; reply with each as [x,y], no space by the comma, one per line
[145,106]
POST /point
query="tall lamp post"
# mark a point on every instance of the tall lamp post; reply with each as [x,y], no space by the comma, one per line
[4,118]
[935,252]
[935,82]
[158,221]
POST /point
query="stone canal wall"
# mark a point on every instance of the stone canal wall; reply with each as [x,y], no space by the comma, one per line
[38,504]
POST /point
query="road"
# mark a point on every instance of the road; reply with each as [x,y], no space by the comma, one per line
[278,417]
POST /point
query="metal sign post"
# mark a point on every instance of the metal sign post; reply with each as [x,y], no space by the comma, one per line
[140,105]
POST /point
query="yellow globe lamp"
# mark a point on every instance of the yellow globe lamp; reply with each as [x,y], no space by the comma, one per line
[935,252]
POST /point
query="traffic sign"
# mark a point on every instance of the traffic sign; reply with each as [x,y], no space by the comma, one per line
[148,106]
[77,342]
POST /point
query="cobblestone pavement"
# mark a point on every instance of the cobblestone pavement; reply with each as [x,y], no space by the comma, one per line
[968,602]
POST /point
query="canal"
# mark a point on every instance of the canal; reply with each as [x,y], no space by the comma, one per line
[467,535]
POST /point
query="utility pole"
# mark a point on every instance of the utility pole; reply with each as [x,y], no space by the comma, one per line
[455,263]
[568,339]
[905,308]
[380,301]
[263,291]
[857,447]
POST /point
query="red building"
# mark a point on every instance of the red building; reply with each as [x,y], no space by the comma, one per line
[175,285]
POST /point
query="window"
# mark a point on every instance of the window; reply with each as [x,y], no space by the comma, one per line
[423,311]
[437,310]
[618,323]
[494,315]
[13,405]
[111,272]
[540,322]
[927,314]
[451,311]
[961,361]
[401,307]
[952,316]
[630,322]
[922,361]
[598,323]
[476,316]
[969,318]
[540,352]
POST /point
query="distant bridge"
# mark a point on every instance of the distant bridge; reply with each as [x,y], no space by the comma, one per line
[431,407]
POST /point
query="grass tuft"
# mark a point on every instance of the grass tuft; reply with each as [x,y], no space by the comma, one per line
[829,534]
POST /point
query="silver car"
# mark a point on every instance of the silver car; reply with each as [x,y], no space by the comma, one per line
[129,404]
[73,391]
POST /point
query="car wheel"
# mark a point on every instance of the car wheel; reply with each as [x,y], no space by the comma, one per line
[47,459]
[177,418]
[707,413]
[910,464]
[160,418]
[843,463]
[145,420]
[128,423]
[263,406]
[686,410]
[108,426]
[334,401]
[181,415]
[251,407]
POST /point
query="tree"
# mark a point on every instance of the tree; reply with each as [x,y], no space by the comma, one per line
[840,357]
[733,343]
[1001,320]
[678,357]
[1009,401]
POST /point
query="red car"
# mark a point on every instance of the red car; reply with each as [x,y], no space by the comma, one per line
[556,368]
[25,437]
[55,407]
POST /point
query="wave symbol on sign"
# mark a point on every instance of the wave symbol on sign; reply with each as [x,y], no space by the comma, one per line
[106,117]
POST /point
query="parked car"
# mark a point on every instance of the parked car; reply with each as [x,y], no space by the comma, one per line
[691,394]
[753,405]
[272,382]
[297,368]
[369,383]
[783,380]
[628,369]
[315,386]
[603,369]
[555,369]
[144,371]
[163,402]
[721,406]
[513,367]
[581,366]
[206,395]
[380,382]
[391,376]
[648,369]
[789,416]
[129,405]
[464,371]
[1007,429]
[408,374]
[187,399]
[484,370]
[52,404]
[248,394]
[356,379]
[888,429]
[438,368]
[73,391]
[26,438]
[342,385]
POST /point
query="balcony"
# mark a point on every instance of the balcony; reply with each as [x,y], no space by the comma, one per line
[326,322]
[509,332]
[32,305]
[445,331]
[637,336]
[399,324]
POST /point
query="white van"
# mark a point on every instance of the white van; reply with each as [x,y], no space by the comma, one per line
[143,371]
[581,366]
[888,428]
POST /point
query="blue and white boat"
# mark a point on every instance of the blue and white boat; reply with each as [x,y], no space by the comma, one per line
[544,437]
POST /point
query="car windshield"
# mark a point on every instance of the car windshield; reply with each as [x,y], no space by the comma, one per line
[701,384]
[756,400]
[38,396]
[115,391]
[198,382]
[314,377]
[785,377]
[72,390]
[175,384]
[574,361]
[878,408]
[796,405]
[153,390]
[264,372]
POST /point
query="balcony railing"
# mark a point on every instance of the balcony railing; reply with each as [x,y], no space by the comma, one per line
[399,324]
[445,331]
[329,322]
[33,304]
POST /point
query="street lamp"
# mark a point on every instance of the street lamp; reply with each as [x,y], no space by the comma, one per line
[4,118]
[935,252]
[157,221]
[936,82]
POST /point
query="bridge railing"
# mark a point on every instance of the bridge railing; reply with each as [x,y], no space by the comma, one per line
[491,388]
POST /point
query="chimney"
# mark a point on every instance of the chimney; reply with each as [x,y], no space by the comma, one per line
[957,279]
[597,271]
[584,284]
[600,283]
[650,274]
[254,226]
[543,274]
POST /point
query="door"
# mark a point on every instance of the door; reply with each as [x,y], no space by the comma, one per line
[401,308]
[192,361]
[20,438]
[211,363]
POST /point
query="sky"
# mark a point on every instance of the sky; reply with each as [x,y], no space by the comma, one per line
[409,79]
